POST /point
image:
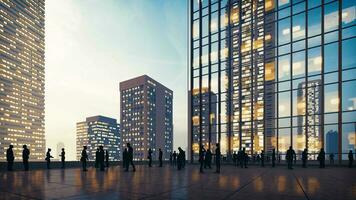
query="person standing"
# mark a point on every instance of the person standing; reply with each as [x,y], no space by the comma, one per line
[101,158]
[124,158]
[351,158]
[217,157]
[273,157]
[289,157]
[63,158]
[263,158]
[321,158]
[244,157]
[130,158]
[149,157]
[25,157]
[331,158]
[305,157]
[107,158]
[174,158]
[180,158]
[201,158]
[10,157]
[48,158]
[208,158]
[171,158]
[160,157]
[84,158]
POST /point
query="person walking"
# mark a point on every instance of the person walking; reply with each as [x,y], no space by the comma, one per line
[107,158]
[321,158]
[304,158]
[63,158]
[174,159]
[84,158]
[217,157]
[130,158]
[262,158]
[160,157]
[273,157]
[10,157]
[201,158]
[48,158]
[351,158]
[149,157]
[101,158]
[289,157]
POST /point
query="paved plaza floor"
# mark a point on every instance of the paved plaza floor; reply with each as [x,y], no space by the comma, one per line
[167,183]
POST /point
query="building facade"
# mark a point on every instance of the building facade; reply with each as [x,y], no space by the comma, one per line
[282,72]
[146,117]
[96,131]
[22,77]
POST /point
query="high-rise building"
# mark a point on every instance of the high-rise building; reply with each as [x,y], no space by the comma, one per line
[22,77]
[208,113]
[146,116]
[331,141]
[96,131]
[280,70]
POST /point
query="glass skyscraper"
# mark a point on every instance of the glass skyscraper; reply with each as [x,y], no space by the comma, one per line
[283,73]
[22,77]
[96,131]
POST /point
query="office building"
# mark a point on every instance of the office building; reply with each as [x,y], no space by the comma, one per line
[146,117]
[22,77]
[282,72]
[96,131]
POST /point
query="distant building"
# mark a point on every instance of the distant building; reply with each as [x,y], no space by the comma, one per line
[60,145]
[22,77]
[146,116]
[331,142]
[96,131]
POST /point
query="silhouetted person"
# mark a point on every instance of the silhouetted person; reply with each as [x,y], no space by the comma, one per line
[160,157]
[107,158]
[10,157]
[171,158]
[101,158]
[63,158]
[130,158]
[331,158]
[244,157]
[174,158]
[321,158]
[180,158]
[289,157]
[273,157]
[279,158]
[48,158]
[217,157]
[234,158]
[125,158]
[201,158]
[263,158]
[97,158]
[84,158]
[305,157]
[149,157]
[184,158]
[351,158]
[208,158]
[240,158]
[25,157]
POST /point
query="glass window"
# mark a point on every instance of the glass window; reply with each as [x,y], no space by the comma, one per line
[284,68]
[299,139]
[298,102]
[196,29]
[331,138]
[283,3]
[331,99]
[349,32]
[314,22]
[299,8]
[298,29]
[284,140]
[331,17]
[284,104]
[205,26]
[314,61]
[348,139]
[284,13]
[348,53]
[348,13]
[298,66]
[313,3]
[348,96]
[331,77]
[331,55]
[284,31]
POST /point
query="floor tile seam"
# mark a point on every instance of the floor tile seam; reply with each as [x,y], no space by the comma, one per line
[301,187]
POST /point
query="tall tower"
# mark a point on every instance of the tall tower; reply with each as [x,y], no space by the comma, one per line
[146,116]
[22,77]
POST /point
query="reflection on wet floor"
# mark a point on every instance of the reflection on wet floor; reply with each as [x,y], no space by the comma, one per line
[168,183]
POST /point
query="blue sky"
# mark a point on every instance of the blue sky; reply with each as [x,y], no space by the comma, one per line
[92,45]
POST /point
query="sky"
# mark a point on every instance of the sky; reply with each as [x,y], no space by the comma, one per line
[92,45]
